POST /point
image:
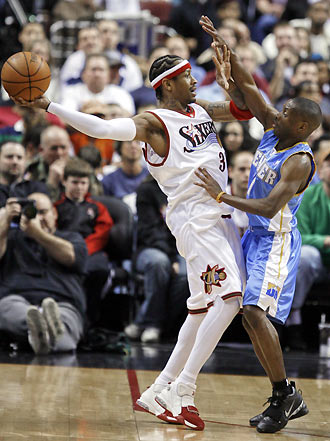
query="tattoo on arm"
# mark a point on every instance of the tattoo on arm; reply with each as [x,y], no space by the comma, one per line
[214,108]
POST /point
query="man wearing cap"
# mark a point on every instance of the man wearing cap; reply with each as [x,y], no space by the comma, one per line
[180,136]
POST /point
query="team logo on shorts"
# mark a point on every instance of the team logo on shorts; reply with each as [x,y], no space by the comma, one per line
[273,290]
[213,276]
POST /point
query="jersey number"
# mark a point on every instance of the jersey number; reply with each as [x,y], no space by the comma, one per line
[222,165]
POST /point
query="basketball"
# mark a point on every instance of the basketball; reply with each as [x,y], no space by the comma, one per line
[25,75]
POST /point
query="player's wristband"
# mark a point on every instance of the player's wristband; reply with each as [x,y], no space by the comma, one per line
[48,106]
[240,114]
[218,198]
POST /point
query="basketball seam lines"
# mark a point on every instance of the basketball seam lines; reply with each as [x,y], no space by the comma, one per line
[16,70]
[27,65]
[22,82]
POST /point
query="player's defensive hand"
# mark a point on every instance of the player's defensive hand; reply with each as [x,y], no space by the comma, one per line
[207,182]
[38,103]
[221,60]
[208,27]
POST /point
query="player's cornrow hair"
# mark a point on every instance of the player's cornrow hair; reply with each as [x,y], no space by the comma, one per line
[159,66]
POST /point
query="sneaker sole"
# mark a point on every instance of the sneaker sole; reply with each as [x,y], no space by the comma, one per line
[302,412]
[53,318]
[165,416]
[37,331]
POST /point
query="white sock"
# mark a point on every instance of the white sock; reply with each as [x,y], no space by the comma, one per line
[217,320]
[182,349]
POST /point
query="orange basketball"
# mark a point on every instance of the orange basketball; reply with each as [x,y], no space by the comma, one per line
[25,75]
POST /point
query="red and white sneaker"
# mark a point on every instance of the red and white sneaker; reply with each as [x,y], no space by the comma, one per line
[147,402]
[178,398]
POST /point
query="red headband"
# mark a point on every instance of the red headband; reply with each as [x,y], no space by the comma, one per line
[170,73]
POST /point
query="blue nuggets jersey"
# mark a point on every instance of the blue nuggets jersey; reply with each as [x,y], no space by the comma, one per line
[265,174]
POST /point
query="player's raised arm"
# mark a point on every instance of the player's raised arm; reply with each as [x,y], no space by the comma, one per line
[226,110]
[243,80]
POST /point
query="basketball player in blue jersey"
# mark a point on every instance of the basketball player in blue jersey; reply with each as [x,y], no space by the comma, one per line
[282,169]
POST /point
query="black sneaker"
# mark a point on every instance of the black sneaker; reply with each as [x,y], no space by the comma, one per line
[282,409]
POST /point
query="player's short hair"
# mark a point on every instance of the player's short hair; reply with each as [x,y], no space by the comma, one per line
[309,111]
[159,66]
[78,168]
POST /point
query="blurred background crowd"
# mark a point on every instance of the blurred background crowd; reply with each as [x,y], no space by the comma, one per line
[99,52]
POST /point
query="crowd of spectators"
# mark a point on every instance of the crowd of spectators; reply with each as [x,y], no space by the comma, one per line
[285,45]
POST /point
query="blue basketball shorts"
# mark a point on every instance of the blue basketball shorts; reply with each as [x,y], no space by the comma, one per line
[271,265]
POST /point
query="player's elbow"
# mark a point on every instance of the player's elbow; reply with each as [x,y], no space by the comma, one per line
[268,210]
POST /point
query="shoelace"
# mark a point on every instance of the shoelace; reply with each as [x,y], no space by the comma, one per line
[273,401]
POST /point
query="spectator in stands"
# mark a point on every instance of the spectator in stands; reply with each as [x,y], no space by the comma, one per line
[305,82]
[304,70]
[243,37]
[235,137]
[95,86]
[205,58]
[78,212]
[92,155]
[283,41]
[130,76]
[303,42]
[30,32]
[123,182]
[238,173]
[12,168]
[314,225]
[145,95]
[249,60]
[49,164]
[89,42]
[158,260]
[324,76]
[270,12]
[177,45]
[41,266]
[312,91]
[318,25]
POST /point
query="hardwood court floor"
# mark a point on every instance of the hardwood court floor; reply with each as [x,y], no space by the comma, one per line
[57,403]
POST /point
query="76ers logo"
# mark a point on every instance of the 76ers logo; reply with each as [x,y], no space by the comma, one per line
[198,136]
[213,276]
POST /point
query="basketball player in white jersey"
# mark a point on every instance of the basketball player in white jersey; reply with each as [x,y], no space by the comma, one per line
[178,138]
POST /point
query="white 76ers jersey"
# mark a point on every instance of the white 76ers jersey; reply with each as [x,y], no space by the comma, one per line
[192,142]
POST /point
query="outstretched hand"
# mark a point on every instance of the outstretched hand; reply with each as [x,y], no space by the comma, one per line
[208,27]
[38,103]
[221,60]
[207,182]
